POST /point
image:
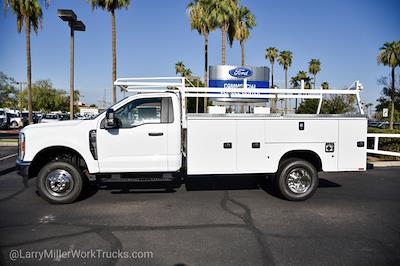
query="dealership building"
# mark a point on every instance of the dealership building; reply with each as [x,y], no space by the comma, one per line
[230,76]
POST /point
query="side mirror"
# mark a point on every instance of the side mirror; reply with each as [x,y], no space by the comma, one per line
[111,121]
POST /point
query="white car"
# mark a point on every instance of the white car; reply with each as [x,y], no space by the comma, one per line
[15,121]
[9,119]
[51,118]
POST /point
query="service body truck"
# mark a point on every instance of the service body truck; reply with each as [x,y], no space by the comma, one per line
[150,132]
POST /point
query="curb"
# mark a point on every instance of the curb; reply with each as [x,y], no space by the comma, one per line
[10,132]
[385,163]
[8,144]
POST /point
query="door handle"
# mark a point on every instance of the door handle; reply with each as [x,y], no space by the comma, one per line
[255,145]
[154,134]
[228,145]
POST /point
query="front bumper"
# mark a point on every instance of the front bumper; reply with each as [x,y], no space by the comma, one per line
[23,168]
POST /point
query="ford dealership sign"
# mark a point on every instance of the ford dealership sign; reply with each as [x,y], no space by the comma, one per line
[241,72]
[229,76]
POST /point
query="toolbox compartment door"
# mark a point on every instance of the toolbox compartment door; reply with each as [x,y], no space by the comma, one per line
[211,146]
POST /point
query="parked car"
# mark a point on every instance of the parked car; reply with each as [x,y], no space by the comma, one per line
[3,119]
[15,121]
[373,123]
[10,119]
[51,118]
[25,118]
[385,125]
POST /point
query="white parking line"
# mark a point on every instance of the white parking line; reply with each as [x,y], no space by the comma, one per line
[9,156]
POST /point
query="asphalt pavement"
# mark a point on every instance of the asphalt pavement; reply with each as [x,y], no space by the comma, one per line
[353,219]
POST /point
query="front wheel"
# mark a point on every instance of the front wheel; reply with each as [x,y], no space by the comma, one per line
[59,182]
[297,179]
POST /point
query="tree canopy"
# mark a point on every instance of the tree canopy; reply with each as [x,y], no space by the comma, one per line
[285,59]
[109,5]
[8,93]
[25,9]
[200,18]
[389,54]
[46,98]
[301,75]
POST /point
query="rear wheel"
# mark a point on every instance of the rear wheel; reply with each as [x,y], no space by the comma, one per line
[297,179]
[60,182]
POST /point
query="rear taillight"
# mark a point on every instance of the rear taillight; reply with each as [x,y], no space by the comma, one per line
[21,146]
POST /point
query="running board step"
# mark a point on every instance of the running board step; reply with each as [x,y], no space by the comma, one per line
[137,178]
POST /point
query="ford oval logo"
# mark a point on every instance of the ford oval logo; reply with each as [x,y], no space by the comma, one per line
[241,72]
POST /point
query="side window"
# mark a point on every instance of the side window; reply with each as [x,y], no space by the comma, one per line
[139,112]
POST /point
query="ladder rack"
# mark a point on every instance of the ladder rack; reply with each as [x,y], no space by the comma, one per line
[178,85]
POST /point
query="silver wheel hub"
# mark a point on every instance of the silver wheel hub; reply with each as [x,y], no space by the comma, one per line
[299,180]
[59,182]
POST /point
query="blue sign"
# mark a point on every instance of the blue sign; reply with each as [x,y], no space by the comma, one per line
[241,72]
[238,84]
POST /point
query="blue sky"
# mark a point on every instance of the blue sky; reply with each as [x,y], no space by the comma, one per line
[152,35]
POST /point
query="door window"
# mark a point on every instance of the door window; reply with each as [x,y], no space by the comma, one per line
[139,112]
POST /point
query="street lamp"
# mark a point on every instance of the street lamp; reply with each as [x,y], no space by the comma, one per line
[75,25]
[20,83]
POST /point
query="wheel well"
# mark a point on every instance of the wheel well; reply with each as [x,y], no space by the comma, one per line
[53,153]
[306,155]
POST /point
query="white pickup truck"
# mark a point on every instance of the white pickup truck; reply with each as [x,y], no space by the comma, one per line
[151,133]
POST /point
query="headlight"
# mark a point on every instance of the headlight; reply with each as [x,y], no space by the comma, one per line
[21,146]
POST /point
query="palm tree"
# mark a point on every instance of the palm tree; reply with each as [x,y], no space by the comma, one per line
[30,13]
[296,82]
[111,6]
[271,54]
[200,20]
[223,15]
[389,55]
[245,21]
[314,66]
[301,75]
[187,73]
[285,59]
[179,67]
[325,85]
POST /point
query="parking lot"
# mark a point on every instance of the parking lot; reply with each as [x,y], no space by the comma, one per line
[354,218]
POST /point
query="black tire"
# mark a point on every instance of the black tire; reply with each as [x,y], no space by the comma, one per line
[297,167]
[14,124]
[66,171]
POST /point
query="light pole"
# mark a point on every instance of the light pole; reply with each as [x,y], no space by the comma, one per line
[75,25]
[20,83]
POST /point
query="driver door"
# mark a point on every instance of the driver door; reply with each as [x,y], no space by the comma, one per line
[139,144]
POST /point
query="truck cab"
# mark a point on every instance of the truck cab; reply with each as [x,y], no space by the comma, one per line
[143,136]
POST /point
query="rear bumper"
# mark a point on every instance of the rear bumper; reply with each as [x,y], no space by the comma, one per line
[23,168]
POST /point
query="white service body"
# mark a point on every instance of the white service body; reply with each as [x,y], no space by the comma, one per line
[277,135]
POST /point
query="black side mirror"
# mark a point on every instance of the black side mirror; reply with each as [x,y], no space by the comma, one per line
[111,121]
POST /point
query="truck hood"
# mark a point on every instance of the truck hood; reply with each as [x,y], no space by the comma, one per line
[64,125]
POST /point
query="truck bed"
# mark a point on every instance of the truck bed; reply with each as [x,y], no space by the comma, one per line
[255,143]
